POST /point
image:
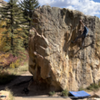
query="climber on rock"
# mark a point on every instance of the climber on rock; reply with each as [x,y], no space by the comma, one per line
[84,34]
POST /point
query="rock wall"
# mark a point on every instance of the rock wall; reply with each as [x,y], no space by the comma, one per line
[2,3]
[52,56]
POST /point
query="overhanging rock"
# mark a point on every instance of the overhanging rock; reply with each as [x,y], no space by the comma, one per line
[52,56]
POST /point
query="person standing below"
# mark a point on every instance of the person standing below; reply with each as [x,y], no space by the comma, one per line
[84,34]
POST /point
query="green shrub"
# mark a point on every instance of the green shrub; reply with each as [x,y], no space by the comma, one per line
[99,83]
[65,93]
[93,86]
[15,64]
[81,88]
[51,93]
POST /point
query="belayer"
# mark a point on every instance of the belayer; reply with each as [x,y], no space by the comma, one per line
[84,34]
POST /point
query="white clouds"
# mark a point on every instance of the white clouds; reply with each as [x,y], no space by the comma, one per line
[71,7]
[88,7]
[44,2]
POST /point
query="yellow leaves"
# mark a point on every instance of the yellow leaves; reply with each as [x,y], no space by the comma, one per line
[3,59]
[5,39]
[6,59]
[4,55]
[2,36]
[12,65]
[2,23]
[19,29]
[15,64]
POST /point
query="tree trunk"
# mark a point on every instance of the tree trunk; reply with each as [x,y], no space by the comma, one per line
[12,46]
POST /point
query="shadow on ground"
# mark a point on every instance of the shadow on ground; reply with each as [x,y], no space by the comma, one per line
[36,90]
[20,83]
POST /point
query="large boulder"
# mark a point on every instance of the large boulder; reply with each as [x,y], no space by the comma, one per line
[2,3]
[52,56]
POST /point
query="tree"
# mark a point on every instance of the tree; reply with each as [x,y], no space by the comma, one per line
[28,7]
[12,14]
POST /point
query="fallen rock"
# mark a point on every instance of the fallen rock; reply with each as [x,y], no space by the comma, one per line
[52,56]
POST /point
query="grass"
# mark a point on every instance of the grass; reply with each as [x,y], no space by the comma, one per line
[93,87]
[65,93]
[81,88]
[51,93]
[22,69]
[99,83]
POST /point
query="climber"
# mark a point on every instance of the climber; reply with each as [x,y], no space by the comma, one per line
[84,34]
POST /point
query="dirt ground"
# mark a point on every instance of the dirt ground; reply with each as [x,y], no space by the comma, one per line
[37,92]
[33,98]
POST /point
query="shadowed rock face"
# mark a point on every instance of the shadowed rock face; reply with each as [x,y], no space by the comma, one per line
[52,56]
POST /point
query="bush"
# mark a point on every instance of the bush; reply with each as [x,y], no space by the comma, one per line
[93,86]
[65,93]
[6,59]
[81,88]
[99,83]
[51,93]
[15,64]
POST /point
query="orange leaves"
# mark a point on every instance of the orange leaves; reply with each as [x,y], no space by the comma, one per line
[3,59]
[6,59]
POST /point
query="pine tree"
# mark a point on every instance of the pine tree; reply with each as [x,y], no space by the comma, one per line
[28,7]
[12,14]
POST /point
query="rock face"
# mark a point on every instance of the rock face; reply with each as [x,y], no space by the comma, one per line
[52,56]
[2,3]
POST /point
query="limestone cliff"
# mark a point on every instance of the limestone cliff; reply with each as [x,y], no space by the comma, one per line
[52,56]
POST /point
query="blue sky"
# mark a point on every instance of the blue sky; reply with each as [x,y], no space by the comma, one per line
[88,7]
